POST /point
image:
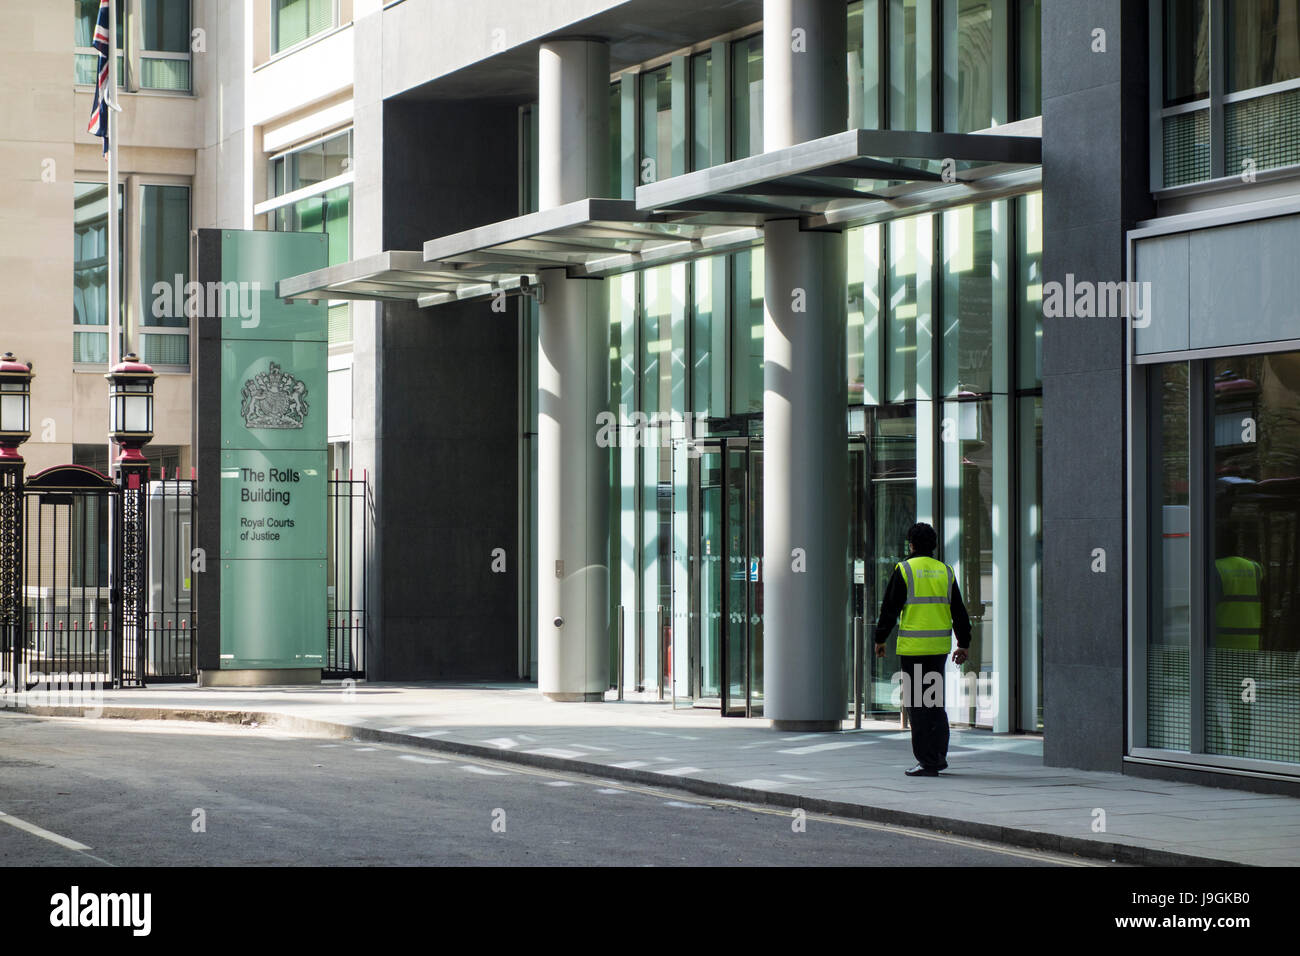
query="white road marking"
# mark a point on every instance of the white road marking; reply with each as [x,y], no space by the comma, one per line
[362,750]
[679,771]
[41,832]
[630,764]
[485,771]
[610,790]
[758,783]
[819,748]
[683,805]
[560,783]
[415,759]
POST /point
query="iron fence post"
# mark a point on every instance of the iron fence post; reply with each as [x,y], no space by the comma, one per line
[132,541]
[12,605]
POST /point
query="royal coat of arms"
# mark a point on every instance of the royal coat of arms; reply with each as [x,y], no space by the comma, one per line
[273,399]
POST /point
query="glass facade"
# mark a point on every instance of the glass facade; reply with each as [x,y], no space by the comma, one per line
[164,261]
[327,209]
[1224,610]
[1251,121]
[161,55]
[943,369]
[293,21]
[90,270]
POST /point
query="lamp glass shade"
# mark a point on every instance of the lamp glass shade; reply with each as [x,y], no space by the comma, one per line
[136,417]
[15,413]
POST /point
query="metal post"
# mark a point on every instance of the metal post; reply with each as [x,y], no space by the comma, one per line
[11,573]
[659,619]
[620,652]
[857,672]
[131,541]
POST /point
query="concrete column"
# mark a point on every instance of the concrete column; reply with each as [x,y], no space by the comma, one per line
[573,388]
[805,436]
[805,91]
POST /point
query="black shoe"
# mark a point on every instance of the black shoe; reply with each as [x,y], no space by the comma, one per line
[920,771]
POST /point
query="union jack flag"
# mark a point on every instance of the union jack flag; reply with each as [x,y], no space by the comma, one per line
[98,125]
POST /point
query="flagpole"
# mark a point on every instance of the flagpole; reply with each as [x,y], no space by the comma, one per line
[114,289]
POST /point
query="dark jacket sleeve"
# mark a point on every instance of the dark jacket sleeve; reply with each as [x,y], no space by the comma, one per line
[891,606]
[960,619]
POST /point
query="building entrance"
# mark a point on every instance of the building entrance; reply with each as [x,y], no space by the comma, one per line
[725,563]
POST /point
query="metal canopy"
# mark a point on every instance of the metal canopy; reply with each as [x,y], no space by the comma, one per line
[392,275]
[588,238]
[846,179]
[851,178]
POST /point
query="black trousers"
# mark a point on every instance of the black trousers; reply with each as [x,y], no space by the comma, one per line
[923,697]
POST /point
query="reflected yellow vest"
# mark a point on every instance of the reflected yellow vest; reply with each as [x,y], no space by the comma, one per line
[925,626]
[1239,613]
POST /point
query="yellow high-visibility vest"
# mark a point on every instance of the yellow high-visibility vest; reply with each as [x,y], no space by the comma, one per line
[1239,613]
[925,626]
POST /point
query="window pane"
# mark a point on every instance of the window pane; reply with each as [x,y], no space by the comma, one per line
[856,294]
[90,347]
[166,349]
[968,300]
[702,112]
[747,98]
[968,528]
[1187,50]
[747,332]
[856,79]
[974,65]
[1031,58]
[158,74]
[909,64]
[702,336]
[164,254]
[90,254]
[893,497]
[1263,42]
[615,139]
[1187,147]
[1252,670]
[166,25]
[901,331]
[655,162]
[1029,275]
[1262,133]
[1171,553]
[87,13]
[1031,562]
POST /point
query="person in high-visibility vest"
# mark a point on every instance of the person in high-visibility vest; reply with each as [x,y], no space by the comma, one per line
[1238,621]
[1239,603]
[923,598]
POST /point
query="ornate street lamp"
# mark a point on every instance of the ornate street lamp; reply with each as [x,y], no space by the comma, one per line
[15,405]
[130,406]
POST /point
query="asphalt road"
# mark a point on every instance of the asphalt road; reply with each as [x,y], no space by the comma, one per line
[161,793]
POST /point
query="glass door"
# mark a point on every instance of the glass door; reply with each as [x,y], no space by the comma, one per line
[726,588]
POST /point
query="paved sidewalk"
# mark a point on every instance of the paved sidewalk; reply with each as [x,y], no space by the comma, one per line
[996,787]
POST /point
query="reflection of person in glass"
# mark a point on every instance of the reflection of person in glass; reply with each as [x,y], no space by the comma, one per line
[1238,620]
[922,596]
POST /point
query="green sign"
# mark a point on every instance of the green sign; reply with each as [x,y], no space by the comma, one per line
[273,455]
